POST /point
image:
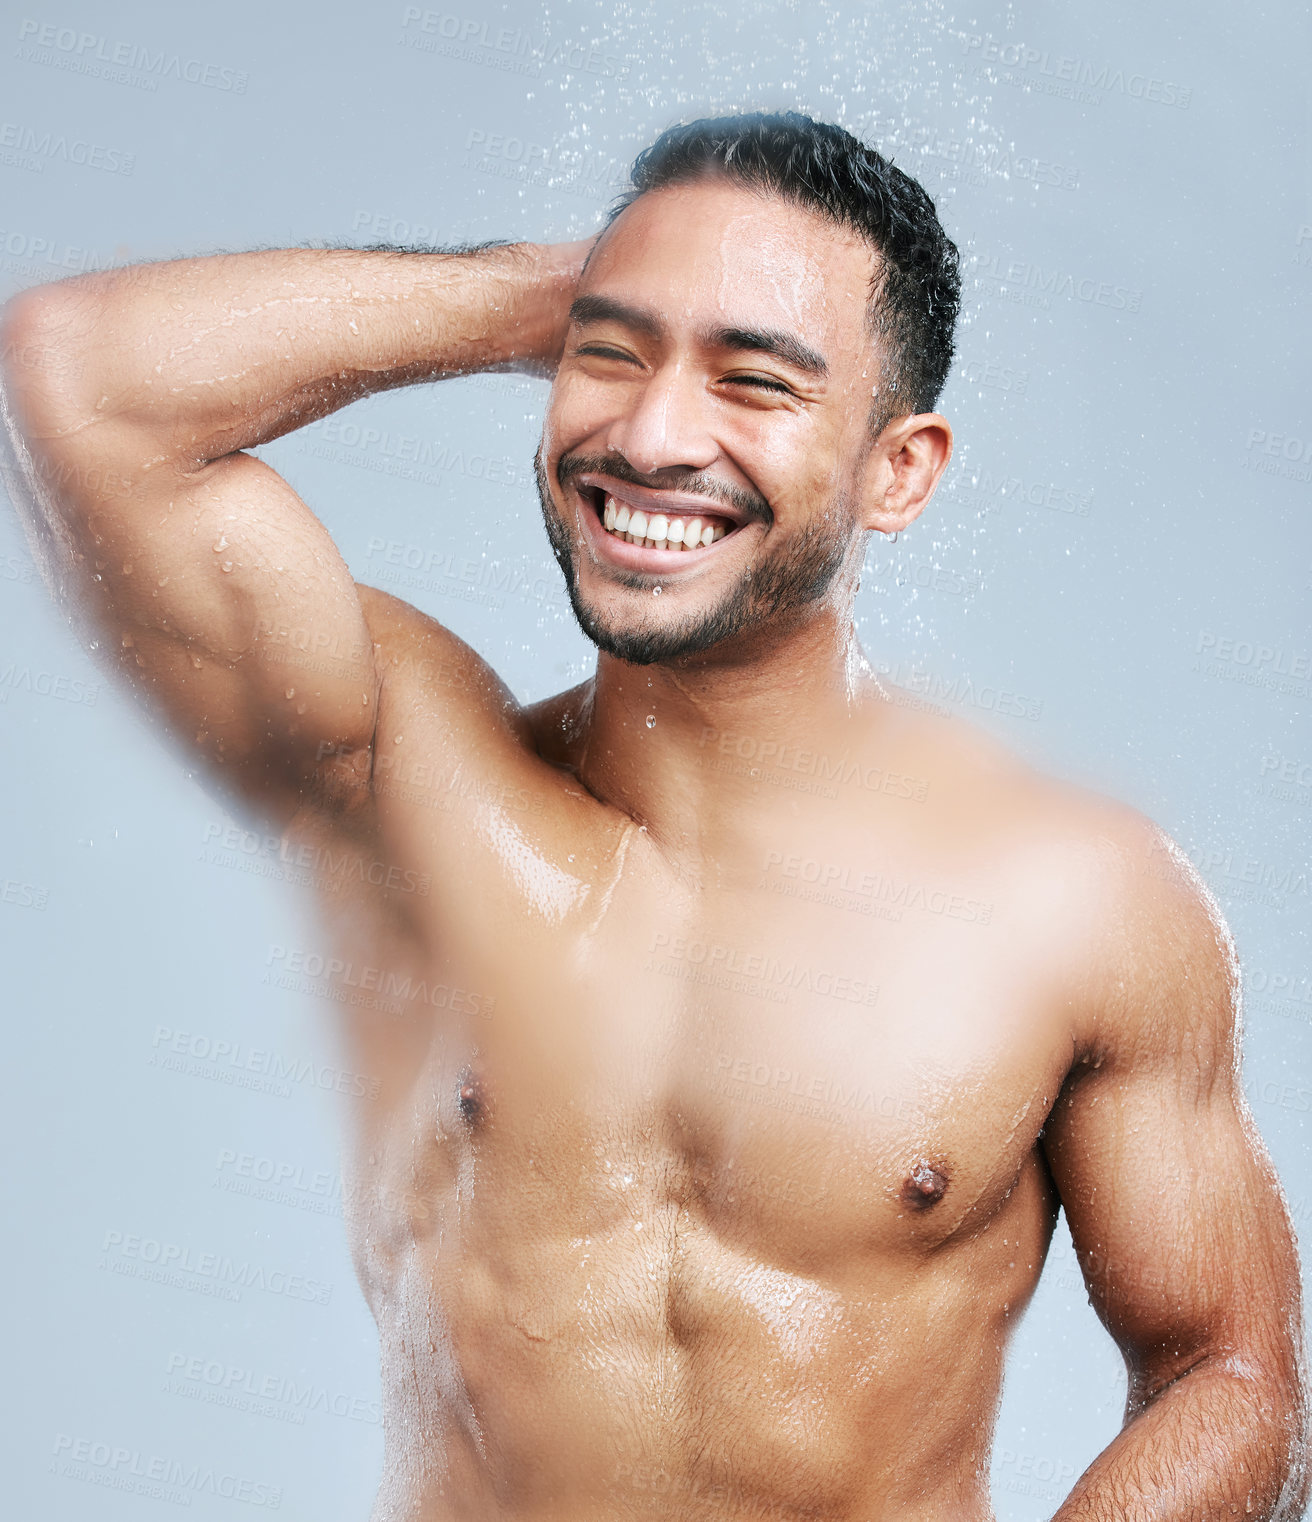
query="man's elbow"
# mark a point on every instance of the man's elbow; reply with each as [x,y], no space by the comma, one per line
[65,410]
[41,368]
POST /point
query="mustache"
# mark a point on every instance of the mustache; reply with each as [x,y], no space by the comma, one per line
[675,478]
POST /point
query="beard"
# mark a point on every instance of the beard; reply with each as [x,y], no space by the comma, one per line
[772,591]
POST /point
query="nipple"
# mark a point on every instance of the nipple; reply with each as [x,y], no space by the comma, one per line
[470,1095]
[925,1185]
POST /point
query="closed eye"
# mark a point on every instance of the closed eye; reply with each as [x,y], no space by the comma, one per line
[757,382]
[603,351]
[764,382]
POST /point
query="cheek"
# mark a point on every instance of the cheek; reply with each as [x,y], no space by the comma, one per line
[579,407]
[555,423]
[795,465]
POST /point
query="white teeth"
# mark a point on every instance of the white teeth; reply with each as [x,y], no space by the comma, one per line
[660,530]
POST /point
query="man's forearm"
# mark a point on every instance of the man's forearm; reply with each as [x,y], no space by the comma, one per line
[1223,1440]
[217,354]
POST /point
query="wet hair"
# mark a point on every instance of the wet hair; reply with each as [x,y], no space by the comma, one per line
[916,290]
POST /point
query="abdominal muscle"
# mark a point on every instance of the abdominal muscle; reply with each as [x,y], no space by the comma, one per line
[648,1366]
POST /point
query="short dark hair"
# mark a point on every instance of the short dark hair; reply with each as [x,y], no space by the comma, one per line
[916,291]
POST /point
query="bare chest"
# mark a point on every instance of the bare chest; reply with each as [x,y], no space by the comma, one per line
[811,1060]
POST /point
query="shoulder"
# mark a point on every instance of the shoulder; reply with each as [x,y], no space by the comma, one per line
[418,657]
[1113,853]
[1158,974]
[1168,972]
[1144,950]
[983,793]
[1157,970]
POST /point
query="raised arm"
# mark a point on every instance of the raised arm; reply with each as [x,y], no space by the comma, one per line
[132,396]
[1178,1220]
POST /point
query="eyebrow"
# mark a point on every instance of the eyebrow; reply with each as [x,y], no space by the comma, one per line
[772,341]
[782,345]
[585,309]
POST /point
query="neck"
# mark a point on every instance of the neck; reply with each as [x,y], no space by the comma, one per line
[674,746]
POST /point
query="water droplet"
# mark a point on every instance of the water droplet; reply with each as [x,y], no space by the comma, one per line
[290,693]
[892,538]
[655,591]
[226,566]
[221,543]
[651,721]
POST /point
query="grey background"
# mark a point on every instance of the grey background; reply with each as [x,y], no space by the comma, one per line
[1130,492]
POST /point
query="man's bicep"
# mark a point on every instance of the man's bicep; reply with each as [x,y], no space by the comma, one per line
[1174,1213]
[227,606]
[1171,1199]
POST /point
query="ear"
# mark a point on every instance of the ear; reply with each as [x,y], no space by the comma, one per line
[903,468]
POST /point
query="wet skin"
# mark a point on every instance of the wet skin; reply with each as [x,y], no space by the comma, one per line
[726,1170]
[755,1021]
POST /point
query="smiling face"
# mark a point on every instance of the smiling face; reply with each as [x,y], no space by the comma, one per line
[714,391]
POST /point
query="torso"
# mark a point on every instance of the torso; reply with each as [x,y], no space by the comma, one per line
[698,1194]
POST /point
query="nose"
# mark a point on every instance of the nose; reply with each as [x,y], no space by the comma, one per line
[668,426]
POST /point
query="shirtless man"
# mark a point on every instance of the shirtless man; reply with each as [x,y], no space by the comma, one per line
[796,1013]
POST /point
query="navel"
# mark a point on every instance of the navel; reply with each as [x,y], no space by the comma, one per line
[925,1185]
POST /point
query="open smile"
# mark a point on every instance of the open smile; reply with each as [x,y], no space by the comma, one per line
[652,530]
